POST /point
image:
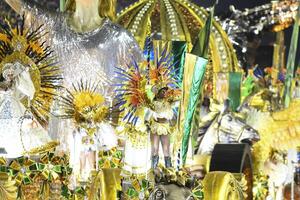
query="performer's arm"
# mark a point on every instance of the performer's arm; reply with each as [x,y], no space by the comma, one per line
[31,11]
[16,5]
[147,118]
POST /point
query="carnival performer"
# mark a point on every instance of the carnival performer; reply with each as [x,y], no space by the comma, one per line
[161,119]
[132,101]
[91,131]
[27,87]
[148,92]
[18,135]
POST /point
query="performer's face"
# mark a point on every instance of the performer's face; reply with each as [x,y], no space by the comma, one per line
[162,93]
[10,76]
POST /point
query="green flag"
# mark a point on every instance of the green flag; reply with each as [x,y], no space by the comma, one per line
[291,62]
[199,56]
[178,50]
[192,102]
[201,45]
[234,94]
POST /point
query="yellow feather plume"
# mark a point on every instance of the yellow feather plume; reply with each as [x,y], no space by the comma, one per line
[279,131]
[89,106]
[87,99]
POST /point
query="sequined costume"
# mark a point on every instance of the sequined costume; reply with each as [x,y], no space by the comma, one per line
[89,56]
[28,82]
[86,129]
[146,94]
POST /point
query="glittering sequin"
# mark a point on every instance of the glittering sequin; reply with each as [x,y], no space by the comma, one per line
[6,111]
[89,56]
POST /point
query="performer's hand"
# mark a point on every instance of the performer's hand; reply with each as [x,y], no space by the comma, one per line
[33,124]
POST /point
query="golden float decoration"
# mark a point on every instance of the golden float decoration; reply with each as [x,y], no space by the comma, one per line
[180,20]
[224,185]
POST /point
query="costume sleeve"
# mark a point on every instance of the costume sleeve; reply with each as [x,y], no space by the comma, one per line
[128,49]
[119,46]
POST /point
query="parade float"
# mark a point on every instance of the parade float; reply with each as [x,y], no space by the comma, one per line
[178,23]
[183,122]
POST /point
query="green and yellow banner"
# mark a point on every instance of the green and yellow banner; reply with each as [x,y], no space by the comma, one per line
[192,83]
[194,71]
[179,49]
[291,62]
[234,93]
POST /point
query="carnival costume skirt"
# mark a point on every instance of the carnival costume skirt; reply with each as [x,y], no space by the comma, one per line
[136,160]
[160,128]
[17,139]
[137,150]
[18,134]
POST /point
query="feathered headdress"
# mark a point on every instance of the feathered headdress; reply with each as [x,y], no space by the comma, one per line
[163,74]
[84,104]
[140,82]
[131,92]
[26,46]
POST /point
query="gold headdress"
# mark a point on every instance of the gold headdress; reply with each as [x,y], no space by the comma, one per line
[24,46]
[84,104]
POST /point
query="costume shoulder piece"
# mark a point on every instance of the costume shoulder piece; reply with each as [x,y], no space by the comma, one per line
[24,46]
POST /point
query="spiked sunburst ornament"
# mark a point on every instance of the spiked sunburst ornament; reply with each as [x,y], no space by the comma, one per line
[27,47]
[85,105]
